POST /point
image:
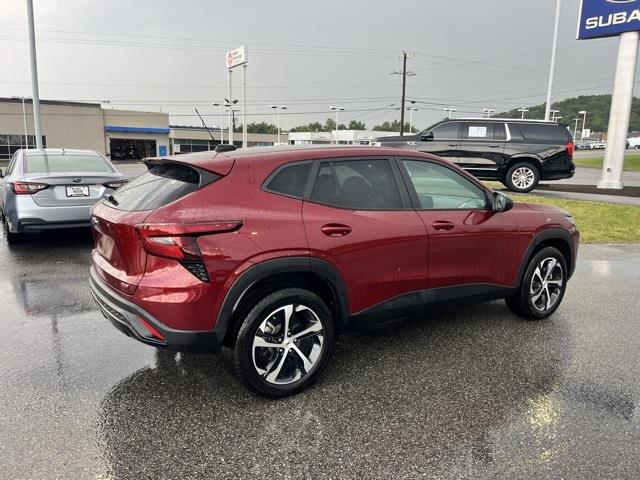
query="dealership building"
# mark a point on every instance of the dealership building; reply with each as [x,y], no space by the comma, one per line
[118,134]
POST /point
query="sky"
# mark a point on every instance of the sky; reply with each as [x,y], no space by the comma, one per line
[160,54]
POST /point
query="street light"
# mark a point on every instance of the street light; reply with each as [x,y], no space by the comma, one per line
[575,129]
[553,114]
[488,112]
[557,119]
[277,108]
[221,107]
[411,110]
[232,117]
[449,110]
[24,119]
[584,121]
[523,110]
[337,110]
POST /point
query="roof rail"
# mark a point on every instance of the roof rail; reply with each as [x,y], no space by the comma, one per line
[225,148]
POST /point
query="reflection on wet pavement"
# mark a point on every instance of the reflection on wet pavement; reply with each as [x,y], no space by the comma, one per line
[466,393]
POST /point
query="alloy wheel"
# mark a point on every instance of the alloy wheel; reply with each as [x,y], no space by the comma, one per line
[523,177]
[287,344]
[547,283]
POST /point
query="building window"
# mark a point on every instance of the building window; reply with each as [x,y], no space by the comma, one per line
[187,145]
[10,144]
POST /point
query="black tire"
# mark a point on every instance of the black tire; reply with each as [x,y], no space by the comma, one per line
[522,177]
[12,238]
[269,314]
[524,303]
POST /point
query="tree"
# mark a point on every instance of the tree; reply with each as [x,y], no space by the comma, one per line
[262,127]
[356,125]
[310,127]
[392,126]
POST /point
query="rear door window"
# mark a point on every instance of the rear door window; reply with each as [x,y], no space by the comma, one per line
[63,163]
[483,131]
[161,185]
[367,184]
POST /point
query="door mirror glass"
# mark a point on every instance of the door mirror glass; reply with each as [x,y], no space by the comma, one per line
[501,203]
[426,136]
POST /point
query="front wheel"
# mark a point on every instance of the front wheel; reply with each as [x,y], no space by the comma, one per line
[522,177]
[284,343]
[542,287]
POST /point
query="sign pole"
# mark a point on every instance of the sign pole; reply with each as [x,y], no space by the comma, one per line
[552,69]
[620,111]
[244,106]
[230,107]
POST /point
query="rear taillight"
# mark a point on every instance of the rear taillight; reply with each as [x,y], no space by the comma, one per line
[570,148]
[116,184]
[180,242]
[27,188]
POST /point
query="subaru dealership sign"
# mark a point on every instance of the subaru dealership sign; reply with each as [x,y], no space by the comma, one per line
[605,18]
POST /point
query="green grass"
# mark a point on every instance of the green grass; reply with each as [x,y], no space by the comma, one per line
[631,162]
[597,222]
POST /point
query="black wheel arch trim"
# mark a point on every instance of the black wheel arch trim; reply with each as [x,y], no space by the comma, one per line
[268,268]
[548,234]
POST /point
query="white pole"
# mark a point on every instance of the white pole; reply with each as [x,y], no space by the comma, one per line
[584,124]
[620,111]
[230,108]
[24,120]
[221,121]
[244,108]
[575,130]
[278,120]
[337,125]
[411,121]
[553,60]
[34,76]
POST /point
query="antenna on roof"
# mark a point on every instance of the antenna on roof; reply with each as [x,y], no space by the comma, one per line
[205,125]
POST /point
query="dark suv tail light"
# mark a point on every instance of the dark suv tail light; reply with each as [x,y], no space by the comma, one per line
[180,242]
[27,188]
[570,148]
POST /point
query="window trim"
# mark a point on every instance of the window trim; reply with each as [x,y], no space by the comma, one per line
[273,174]
[405,198]
[414,195]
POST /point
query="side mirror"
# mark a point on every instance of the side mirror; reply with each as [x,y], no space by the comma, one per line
[1,173]
[426,137]
[501,203]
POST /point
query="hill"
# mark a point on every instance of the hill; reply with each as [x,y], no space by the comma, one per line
[597,107]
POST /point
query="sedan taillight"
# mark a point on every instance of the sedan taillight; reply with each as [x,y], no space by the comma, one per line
[27,188]
[180,242]
[116,184]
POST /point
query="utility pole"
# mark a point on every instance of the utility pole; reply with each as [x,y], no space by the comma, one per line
[404,74]
[34,76]
[552,69]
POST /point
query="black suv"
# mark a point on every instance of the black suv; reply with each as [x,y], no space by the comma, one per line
[518,153]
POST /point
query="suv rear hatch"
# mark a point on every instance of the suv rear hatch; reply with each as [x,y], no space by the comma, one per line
[119,256]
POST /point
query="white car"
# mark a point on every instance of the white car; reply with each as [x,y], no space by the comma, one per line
[633,142]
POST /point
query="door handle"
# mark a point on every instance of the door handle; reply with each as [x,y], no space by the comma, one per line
[495,146]
[443,225]
[453,145]
[336,230]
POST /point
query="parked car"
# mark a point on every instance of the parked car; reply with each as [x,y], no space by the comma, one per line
[269,253]
[633,142]
[598,145]
[518,153]
[53,189]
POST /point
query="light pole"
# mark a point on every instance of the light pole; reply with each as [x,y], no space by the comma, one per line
[553,114]
[449,111]
[229,104]
[557,119]
[575,129]
[584,121]
[34,75]
[411,110]
[337,110]
[24,120]
[277,108]
[488,112]
[552,68]
[523,111]
[220,106]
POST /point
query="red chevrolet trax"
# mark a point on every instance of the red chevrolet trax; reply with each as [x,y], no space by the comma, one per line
[269,253]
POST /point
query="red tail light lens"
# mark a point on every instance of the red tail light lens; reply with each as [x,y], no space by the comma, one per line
[570,148]
[178,241]
[27,188]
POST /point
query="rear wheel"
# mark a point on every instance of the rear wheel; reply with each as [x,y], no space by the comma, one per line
[542,287]
[284,343]
[12,238]
[522,177]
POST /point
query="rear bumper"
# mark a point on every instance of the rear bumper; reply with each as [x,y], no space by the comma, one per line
[25,215]
[130,319]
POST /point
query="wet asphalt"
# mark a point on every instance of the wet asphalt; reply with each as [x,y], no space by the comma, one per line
[468,393]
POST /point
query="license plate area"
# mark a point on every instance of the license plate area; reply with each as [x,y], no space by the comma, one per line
[77,190]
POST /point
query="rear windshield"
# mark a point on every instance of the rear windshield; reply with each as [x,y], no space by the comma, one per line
[64,163]
[161,185]
[539,132]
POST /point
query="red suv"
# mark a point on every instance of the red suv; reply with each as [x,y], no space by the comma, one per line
[268,253]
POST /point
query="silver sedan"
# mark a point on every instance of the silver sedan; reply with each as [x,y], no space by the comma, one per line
[53,188]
